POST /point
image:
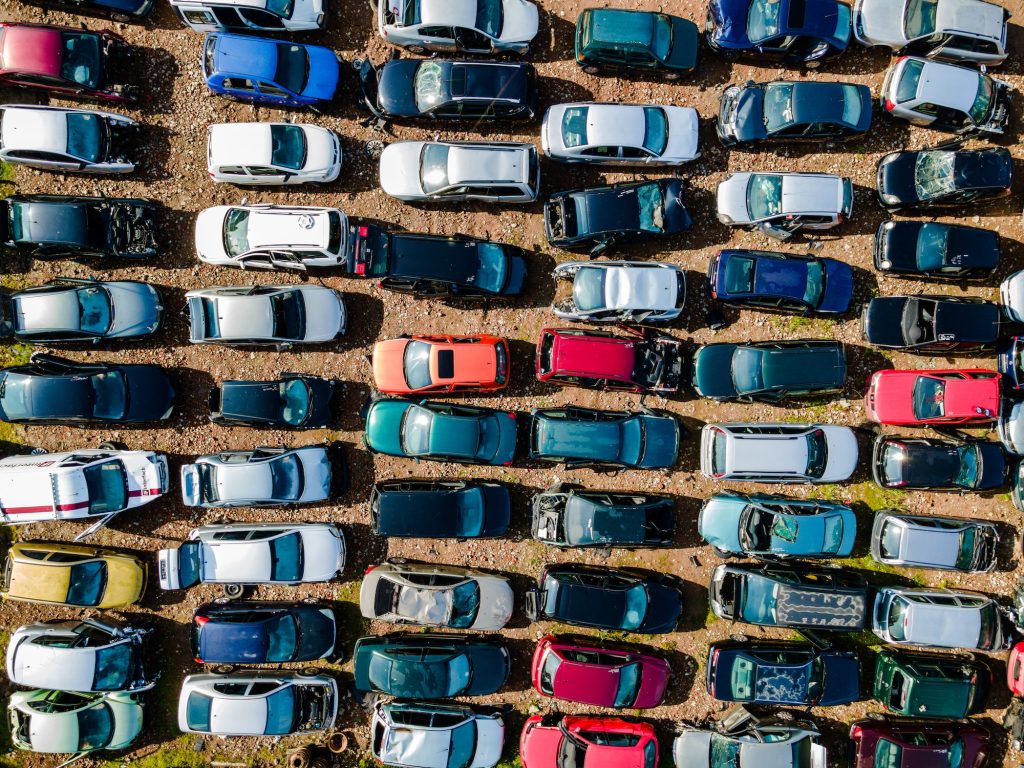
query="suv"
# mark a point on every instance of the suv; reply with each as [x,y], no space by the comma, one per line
[615,38]
[939,618]
[919,684]
[778,453]
[778,204]
[923,541]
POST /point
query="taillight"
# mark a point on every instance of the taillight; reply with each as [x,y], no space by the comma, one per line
[368,569]
[197,660]
[364,231]
[855,732]
[361,268]
[511,414]
[890,105]
[201,620]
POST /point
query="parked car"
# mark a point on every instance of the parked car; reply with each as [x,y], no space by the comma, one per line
[616,599]
[760,742]
[419,665]
[443,89]
[933,250]
[938,465]
[774,672]
[84,655]
[53,390]
[597,218]
[917,684]
[63,139]
[254,553]
[76,576]
[459,171]
[932,177]
[768,371]
[436,431]
[786,111]
[600,675]
[260,154]
[66,61]
[293,401]
[949,30]
[779,204]
[927,541]
[443,364]
[786,596]
[444,509]
[67,227]
[263,632]
[277,316]
[767,527]
[934,396]
[257,703]
[249,16]
[1015,670]
[79,723]
[276,73]
[788,282]
[604,740]
[473,26]
[1011,296]
[429,595]
[931,324]
[621,291]
[908,743]
[419,735]
[116,10]
[75,310]
[945,97]
[642,360]
[1010,426]
[611,39]
[795,31]
[569,516]
[938,618]
[581,437]
[1017,488]
[778,453]
[261,477]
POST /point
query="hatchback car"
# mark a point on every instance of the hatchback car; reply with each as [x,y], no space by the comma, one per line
[444,509]
[760,742]
[1015,670]
[116,10]
[938,465]
[918,684]
[568,516]
[938,618]
[418,735]
[787,282]
[251,15]
[440,364]
[924,324]
[63,140]
[473,26]
[294,401]
[609,39]
[797,31]
[604,741]
[934,250]
[948,397]
[52,721]
[908,743]
[779,204]
[926,541]
[261,154]
[261,477]
[621,291]
[460,171]
[778,453]
[934,178]
[262,632]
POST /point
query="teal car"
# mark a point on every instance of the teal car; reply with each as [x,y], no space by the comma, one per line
[75,723]
[769,371]
[441,432]
[584,437]
[616,38]
[774,527]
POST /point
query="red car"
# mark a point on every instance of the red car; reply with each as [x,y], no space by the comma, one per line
[917,744]
[1015,670]
[64,60]
[607,742]
[428,364]
[601,677]
[643,361]
[963,396]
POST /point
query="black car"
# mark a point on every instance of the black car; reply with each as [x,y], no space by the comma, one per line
[931,324]
[252,632]
[294,401]
[934,250]
[595,218]
[938,465]
[62,227]
[617,599]
[51,390]
[792,111]
[449,90]
[567,516]
[937,177]
[443,509]
[116,10]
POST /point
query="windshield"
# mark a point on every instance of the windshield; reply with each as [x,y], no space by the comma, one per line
[109,395]
[493,267]
[747,375]
[932,240]
[113,665]
[764,196]
[919,18]
[488,17]
[292,67]
[928,397]
[282,8]
[934,174]
[289,315]
[759,598]
[427,86]
[898,610]
[815,289]
[471,512]
[415,433]
[574,126]
[459,674]
[891,539]
[107,484]
[434,167]
[286,558]
[778,106]
[81,60]
[965,557]
[629,682]
[763,20]
[95,727]
[286,478]
[94,310]
[236,231]
[287,146]
[87,582]
[189,563]
[295,396]
[817,453]
[652,208]
[983,100]
[465,605]
[888,754]
[655,130]
[635,608]
[906,89]
[970,466]
[741,681]
[281,711]
[588,288]
[85,137]
[282,639]
[725,752]
[661,42]
[548,671]
[571,752]
[416,364]
[463,746]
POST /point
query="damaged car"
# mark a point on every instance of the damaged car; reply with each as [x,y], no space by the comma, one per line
[570,516]
[621,291]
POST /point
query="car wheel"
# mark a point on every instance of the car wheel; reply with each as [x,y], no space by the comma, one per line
[417,49]
[738,638]
[374,149]
[233,590]
[222,600]
[672,76]
[592,70]
[875,716]
[309,671]
[223,669]
[109,445]
[310,601]
[812,64]
[784,716]
[122,18]
[723,552]
[37,452]
[396,561]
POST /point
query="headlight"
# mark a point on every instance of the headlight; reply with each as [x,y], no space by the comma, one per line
[725,218]
[890,199]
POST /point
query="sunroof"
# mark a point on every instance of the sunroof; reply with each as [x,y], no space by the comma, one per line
[446,364]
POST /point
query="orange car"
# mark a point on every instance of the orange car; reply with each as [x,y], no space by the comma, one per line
[415,364]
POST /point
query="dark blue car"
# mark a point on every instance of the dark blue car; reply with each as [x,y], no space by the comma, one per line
[783,281]
[117,10]
[251,632]
[798,31]
[273,72]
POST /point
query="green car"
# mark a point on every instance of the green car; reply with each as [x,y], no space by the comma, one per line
[919,684]
[441,432]
[613,38]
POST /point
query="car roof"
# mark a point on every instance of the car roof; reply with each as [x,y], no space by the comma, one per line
[449,13]
[947,85]
[600,356]
[48,666]
[454,260]
[600,440]
[53,221]
[935,546]
[246,56]
[234,639]
[43,130]
[958,626]
[635,286]
[620,27]
[31,49]
[978,19]
[239,560]
[241,143]
[815,102]
[769,454]
[494,164]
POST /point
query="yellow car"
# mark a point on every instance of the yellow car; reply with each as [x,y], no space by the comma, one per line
[65,574]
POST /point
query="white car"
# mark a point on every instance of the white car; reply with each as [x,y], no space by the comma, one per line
[938,618]
[620,134]
[254,553]
[271,236]
[251,15]
[258,478]
[436,596]
[493,171]
[778,204]
[411,734]
[476,26]
[266,315]
[272,153]
[1011,296]
[621,291]
[66,139]
[789,744]
[257,703]
[78,723]
[1010,428]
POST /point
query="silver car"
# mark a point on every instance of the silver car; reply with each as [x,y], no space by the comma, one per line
[261,477]
[938,618]
[924,541]
[793,744]
[621,291]
[474,26]
[779,204]
[424,735]
[66,139]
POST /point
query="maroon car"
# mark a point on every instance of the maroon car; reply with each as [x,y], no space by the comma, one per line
[641,361]
[917,744]
[601,677]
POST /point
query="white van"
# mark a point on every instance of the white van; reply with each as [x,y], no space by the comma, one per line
[251,15]
[91,482]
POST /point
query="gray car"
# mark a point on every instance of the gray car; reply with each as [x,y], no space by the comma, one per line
[764,744]
[257,478]
[922,541]
[938,618]
[621,291]
[779,204]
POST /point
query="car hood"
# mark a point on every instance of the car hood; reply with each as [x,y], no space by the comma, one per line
[388,365]
[395,87]
[896,177]
[496,602]
[718,522]
[712,375]
[838,286]
[540,744]
[209,233]
[685,43]
[883,320]
[880,22]
[1011,294]
[400,169]
[747,121]
[842,454]
[685,122]
[664,606]
[1011,429]
[640,288]
[692,749]
[490,740]
[731,197]
[324,71]
[520,22]
[137,308]
[490,669]
[150,393]
[324,313]
[661,445]
[383,424]
[842,680]
[321,145]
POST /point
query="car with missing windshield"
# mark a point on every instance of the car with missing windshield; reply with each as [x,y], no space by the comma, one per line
[261,477]
[932,178]
[778,453]
[779,204]
[294,401]
[620,291]
[800,32]
[251,15]
[589,740]
[935,250]
[897,743]
[784,282]
[473,26]
[923,324]
[443,509]
[52,721]
[261,154]
[570,516]
[63,139]
[938,465]
[409,734]
[916,684]
[939,396]
[764,741]
[262,632]
[939,618]
[416,364]
[617,39]
[927,541]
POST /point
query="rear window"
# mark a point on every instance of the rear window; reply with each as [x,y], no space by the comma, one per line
[906,89]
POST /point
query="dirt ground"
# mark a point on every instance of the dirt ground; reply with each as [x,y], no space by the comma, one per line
[177,109]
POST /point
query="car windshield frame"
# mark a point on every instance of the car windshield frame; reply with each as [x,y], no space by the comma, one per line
[490,17]
[416,364]
[919,18]
[494,267]
[930,245]
[95,727]
[928,398]
[113,667]
[656,128]
[628,684]
[289,312]
[764,195]
[86,136]
[934,174]
[434,167]
[87,583]
[428,86]
[817,453]
[287,479]
[462,747]
[286,558]
[95,310]
[778,106]
[971,466]
[983,99]
[282,638]
[107,486]
[747,369]
[763,20]
[236,232]
[282,711]
[296,398]
[81,60]
[414,431]
[588,288]
[574,126]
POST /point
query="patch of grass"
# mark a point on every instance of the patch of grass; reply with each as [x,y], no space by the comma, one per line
[512,762]
[711,618]
[868,563]
[177,754]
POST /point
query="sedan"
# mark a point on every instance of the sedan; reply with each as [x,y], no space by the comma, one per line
[792,30]
[52,390]
[444,509]
[938,465]
[930,249]
[936,396]
[909,743]
[927,541]
[636,41]
[567,516]
[262,632]
[779,204]
[768,371]
[436,431]
[52,721]
[582,437]
[418,364]
[62,139]
[116,10]
[931,178]
[261,154]
[621,291]
[1011,296]
[262,477]
[605,741]
[421,735]
[762,741]
[931,324]
[473,26]
[294,401]
[788,282]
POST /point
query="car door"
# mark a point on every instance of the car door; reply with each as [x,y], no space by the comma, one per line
[48,160]
[263,174]
[472,41]
[437,38]
[209,18]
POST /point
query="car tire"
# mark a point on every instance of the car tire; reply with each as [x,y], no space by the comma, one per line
[672,76]
[784,715]
[417,49]
[396,561]
[109,445]
[875,716]
[222,669]
[309,671]
[310,601]
[233,590]
[812,64]
[222,600]
[590,69]
[723,552]
[738,637]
